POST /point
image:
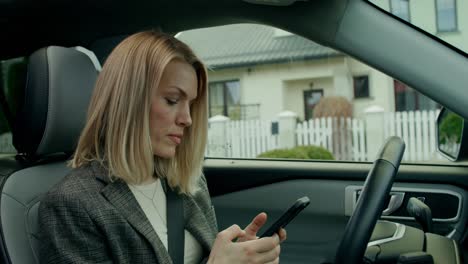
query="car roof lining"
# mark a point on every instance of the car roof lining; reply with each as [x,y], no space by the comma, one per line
[88,22]
[346,25]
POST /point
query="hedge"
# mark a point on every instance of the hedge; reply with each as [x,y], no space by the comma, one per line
[299,152]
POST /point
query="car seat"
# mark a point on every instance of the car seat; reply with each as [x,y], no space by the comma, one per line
[45,132]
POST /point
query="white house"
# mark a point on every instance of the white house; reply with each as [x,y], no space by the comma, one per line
[289,72]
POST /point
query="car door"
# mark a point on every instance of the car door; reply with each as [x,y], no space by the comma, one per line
[265,151]
[243,188]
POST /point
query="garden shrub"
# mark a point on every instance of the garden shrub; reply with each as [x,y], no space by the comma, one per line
[299,152]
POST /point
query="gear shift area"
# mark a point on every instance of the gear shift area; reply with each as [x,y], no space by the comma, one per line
[421,213]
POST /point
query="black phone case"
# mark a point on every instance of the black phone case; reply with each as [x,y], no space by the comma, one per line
[292,212]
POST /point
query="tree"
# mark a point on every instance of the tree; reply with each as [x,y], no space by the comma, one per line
[338,108]
[450,129]
[333,106]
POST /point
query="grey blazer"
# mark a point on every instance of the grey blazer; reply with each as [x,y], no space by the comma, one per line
[88,219]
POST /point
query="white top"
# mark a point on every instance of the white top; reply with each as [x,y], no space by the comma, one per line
[152,200]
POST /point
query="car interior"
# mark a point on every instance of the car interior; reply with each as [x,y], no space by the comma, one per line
[380,211]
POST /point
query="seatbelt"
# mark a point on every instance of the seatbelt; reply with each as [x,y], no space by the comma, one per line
[175,226]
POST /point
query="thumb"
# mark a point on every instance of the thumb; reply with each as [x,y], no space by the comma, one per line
[252,229]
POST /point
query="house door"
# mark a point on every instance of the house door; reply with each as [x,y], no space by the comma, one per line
[311,99]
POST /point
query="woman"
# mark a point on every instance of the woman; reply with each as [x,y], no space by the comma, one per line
[145,136]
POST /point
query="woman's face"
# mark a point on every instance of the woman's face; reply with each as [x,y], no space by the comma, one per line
[170,107]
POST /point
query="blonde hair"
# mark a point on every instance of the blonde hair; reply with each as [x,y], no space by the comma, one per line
[117,132]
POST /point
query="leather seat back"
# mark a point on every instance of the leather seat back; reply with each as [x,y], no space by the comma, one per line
[58,89]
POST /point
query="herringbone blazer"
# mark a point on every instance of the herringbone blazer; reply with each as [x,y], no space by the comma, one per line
[86,218]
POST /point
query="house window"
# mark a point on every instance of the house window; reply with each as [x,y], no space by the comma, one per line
[361,86]
[408,99]
[400,8]
[446,15]
[225,99]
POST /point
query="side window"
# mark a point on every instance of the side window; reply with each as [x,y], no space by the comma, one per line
[12,82]
[277,95]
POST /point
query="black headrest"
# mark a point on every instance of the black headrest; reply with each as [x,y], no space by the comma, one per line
[58,89]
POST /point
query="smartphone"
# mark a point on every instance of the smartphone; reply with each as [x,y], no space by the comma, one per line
[292,212]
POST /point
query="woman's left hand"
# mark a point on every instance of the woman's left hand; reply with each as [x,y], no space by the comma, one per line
[257,223]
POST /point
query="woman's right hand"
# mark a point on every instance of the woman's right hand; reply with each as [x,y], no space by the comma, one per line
[262,250]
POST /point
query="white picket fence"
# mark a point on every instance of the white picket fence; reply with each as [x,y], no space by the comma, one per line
[418,131]
[345,138]
[245,139]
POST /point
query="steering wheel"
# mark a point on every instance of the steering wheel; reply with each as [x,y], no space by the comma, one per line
[371,203]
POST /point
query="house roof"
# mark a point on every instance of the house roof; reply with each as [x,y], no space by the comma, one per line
[247,44]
